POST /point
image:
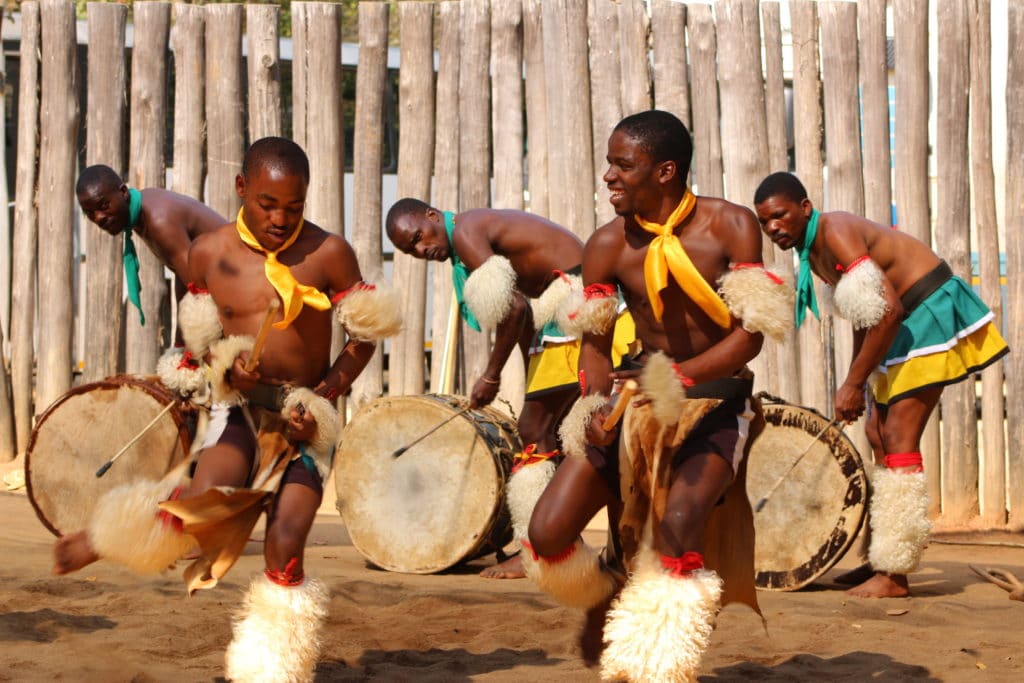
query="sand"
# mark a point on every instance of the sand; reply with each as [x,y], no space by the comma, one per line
[104,624]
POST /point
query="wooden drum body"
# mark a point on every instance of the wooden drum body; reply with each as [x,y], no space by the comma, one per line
[83,429]
[439,503]
[814,515]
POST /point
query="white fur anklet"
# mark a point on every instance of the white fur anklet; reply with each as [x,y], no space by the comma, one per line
[368,312]
[899,520]
[573,431]
[575,578]
[524,488]
[277,634]
[660,625]
[328,426]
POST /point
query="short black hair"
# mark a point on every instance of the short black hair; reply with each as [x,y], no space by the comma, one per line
[404,207]
[661,135]
[280,154]
[96,176]
[780,184]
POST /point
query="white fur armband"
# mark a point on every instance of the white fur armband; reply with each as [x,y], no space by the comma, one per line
[181,372]
[591,310]
[369,313]
[199,321]
[489,291]
[573,431]
[222,356]
[328,426]
[899,520]
[761,298]
[859,296]
[663,385]
[553,300]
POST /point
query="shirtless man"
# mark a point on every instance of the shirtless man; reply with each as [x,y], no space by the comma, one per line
[907,309]
[269,253]
[698,344]
[502,259]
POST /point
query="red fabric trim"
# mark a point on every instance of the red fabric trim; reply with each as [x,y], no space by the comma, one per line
[193,288]
[686,381]
[561,274]
[169,520]
[188,362]
[583,382]
[856,262]
[530,456]
[564,555]
[598,291]
[894,460]
[684,564]
[359,286]
[288,577]
[770,275]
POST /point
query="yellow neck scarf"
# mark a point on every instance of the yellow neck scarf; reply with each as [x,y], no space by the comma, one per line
[293,294]
[665,254]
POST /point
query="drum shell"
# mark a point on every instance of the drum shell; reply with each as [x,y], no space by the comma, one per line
[442,501]
[83,429]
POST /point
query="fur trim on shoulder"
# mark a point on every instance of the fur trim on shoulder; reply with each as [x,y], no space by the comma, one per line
[369,313]
[575,579]
[489,289]
[222,355]
[660,625]
[126,527]
[573,431]
[277,634]
[524,488]
[899,520]
[552,300]
[199,322]
[328,426]
[660,382]
[592,310]
[859,296]
[761,298]
[181,373]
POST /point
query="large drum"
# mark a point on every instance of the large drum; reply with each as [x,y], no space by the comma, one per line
[813,516]
[83,429]
[440,502]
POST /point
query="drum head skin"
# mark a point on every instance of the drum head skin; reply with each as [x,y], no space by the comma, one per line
[440,502]
[82,430]
[813,516]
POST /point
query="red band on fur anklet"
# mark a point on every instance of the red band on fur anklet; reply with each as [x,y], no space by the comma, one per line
[684,564]
[289,577]
[894,460]
[193,288]
[564,555]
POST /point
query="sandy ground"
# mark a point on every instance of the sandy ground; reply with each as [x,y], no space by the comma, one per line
[104,624]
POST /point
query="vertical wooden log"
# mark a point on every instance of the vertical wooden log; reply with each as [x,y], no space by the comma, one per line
[189,45]
[415,165]
[993,503]
[910,20]
[568,88]
[264,64]
[146,168]
[26,227]
[225,129]
[58,143]
[104,128]
[8,437]
[808,122]
[368,162]
[1014,216]
[446,174]
[953,239]
[874,102]
[707,136]
[636,66]
[300,57]
[671,81]
[536,108]
[605,92]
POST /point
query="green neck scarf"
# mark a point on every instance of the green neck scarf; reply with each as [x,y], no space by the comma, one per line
[130,257]
[805,281]
[459,273]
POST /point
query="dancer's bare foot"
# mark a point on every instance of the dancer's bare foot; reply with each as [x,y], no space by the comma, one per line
[856,576]
[882,585]
[512,568]
[72,552]
[592,637]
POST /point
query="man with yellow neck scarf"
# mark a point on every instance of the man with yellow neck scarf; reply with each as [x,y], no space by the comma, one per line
[690,271]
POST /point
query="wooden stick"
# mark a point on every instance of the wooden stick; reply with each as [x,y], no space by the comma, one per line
[764,500]
[103,470]
[625,396]
[403,449]
[261,336]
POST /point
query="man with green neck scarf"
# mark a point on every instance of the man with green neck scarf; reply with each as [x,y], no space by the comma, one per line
[917,328]
[166,221]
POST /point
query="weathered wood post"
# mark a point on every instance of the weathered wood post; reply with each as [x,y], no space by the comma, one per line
[605,92]
[264,66]
[26,227]
[415,165]
[636,65]
[910,19]
[225,131]
[671,82]
[536,107]
[58,142]
[104,129]
[874,102]
[189,43]
[707,135]
[993,502]
[368,153]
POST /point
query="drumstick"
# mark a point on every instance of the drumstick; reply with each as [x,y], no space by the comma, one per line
[433,429]
[103,470]
[628,389]
[261,336]
[761,503]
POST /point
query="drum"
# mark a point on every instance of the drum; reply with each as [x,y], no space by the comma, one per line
[811,519]
[440,502]
[83,429]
